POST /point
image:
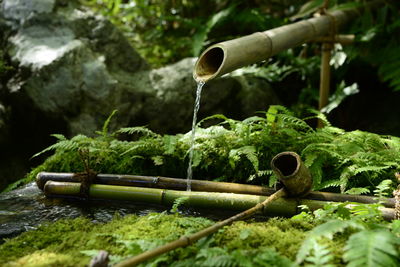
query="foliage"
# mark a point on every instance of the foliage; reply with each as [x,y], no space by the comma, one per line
[4,67]
[72,242]
[368,240]
[372,248]
[166,31]
[239,151]
[380,32]
[333,236]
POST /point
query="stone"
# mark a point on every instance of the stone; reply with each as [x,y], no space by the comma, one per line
[72,68]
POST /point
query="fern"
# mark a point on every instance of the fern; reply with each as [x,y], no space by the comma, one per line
[137,130]
[239,151]
[372,249]
[320,256]
[248,151]
[384,188]
[326,230]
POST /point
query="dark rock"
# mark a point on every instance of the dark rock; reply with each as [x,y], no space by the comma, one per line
[73,68]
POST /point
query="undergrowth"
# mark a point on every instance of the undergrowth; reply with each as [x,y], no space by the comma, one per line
[72,242]
[238,151]
[333,236]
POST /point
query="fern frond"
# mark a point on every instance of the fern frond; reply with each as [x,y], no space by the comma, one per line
[372,249]
[320,256]
[65,144]
[357,191]
[327,230]
[106,124]
[249,152]
[137,130]
[59,137]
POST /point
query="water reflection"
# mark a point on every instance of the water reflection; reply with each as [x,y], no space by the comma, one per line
[26,208]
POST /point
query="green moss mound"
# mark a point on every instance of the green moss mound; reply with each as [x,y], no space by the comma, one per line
[72,242]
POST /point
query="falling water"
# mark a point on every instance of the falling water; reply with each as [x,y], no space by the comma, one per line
[200,85]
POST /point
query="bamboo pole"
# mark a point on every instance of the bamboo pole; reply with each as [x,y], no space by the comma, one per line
[325,77]
[227,56]
[157,182]
[227,201]
[202,185]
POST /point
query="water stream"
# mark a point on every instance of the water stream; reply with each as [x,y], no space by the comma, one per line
[189,177]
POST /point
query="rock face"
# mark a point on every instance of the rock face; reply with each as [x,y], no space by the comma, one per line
[71,69]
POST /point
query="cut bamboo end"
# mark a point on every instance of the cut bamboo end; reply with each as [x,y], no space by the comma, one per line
[292,172]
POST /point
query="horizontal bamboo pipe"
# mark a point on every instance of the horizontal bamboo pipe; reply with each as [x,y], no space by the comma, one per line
[227,201]
[227,56]
[200,185]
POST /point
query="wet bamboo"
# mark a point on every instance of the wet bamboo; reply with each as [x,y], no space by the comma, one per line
[227,56]
[226,201]
[187,240]
[200,185]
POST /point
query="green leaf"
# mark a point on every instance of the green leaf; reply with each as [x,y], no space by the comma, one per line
[372,249]
[200,37]
[327,230]
[308,8]
[320,256]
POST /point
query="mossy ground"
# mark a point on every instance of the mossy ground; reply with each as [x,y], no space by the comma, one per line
[71,242]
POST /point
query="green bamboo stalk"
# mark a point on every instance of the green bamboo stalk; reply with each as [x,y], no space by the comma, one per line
[227,201]
[200,185]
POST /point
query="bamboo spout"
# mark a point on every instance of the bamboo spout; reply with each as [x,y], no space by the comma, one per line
[292,172]
[227,56]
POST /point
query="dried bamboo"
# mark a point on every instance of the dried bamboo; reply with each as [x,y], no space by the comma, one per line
[200,185]
[226,201]
[227,56]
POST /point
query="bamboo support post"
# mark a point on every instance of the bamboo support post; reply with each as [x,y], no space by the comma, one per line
[201,185]
[343,39]
[325,77]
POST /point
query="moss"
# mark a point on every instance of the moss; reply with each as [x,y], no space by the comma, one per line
[284,235]
[62,243]
[67,238]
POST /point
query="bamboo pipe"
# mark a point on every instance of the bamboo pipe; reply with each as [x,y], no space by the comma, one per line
[200,185]
[224,57]
[292,172]
[226,201]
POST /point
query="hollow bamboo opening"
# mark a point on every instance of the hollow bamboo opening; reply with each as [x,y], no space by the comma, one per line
[209,64]
[287,164]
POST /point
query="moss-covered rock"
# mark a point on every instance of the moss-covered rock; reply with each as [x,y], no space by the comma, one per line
[69,242]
